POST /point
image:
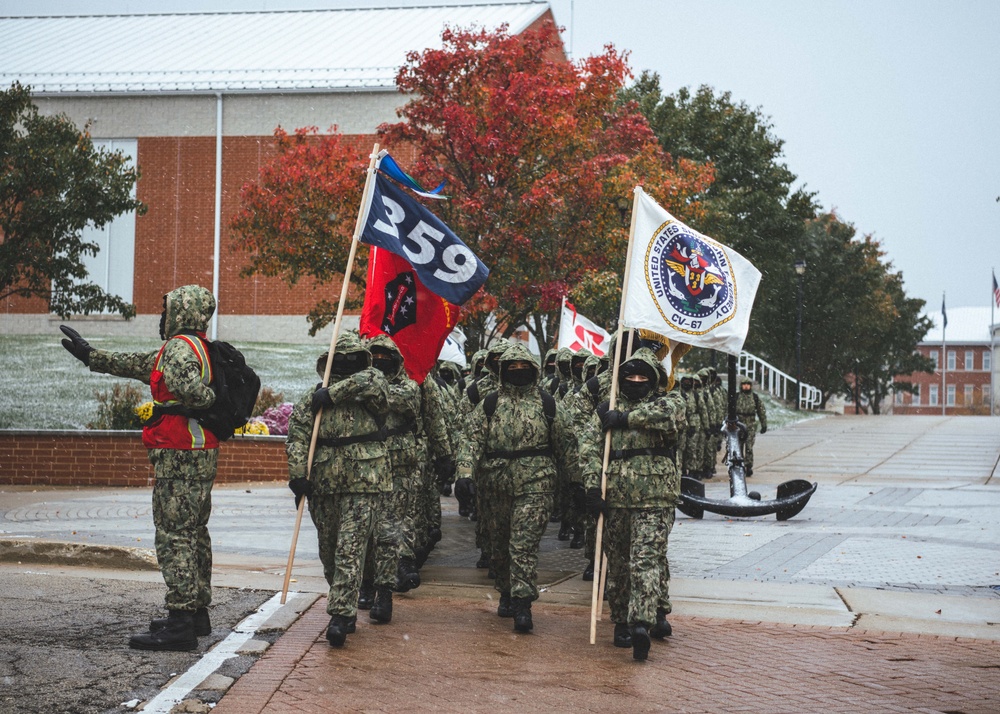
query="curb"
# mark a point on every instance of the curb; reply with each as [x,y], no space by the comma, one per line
[79,554]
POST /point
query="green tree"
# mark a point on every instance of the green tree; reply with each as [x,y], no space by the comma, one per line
[53,183]
[751,206]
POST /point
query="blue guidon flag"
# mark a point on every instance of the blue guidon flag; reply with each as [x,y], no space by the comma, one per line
[686,286]
[445,265]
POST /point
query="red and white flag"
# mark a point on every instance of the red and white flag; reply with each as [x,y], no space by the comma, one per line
[577,332]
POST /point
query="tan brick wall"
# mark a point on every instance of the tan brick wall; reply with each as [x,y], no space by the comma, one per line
[108,458]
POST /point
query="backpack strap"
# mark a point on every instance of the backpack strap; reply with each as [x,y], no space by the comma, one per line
[490,405]
[594,387]
[473,393]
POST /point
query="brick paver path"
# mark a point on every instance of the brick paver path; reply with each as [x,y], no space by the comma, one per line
[458,656]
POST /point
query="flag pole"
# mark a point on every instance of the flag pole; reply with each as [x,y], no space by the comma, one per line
[944,357]
[993,302]
[344,286]
[599,545]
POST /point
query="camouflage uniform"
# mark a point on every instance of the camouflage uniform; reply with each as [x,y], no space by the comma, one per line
[391,545]
[350,469]
[564,373]
[182,494]
[642,490]
[749,408]
[434,447]
[693,414]
[548,379]
[715,419]
[515,456]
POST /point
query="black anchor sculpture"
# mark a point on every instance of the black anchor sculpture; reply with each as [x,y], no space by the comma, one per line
[792,496]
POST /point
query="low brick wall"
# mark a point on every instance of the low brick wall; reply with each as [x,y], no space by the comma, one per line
[118,458]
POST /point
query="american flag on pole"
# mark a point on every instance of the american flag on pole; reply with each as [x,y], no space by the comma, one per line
[996,291]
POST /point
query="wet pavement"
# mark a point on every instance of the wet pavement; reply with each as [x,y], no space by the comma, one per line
[884,586]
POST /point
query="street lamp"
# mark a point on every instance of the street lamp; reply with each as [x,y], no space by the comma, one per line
[800,270]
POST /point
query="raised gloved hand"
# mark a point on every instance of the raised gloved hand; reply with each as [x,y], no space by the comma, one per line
[614,419]
[76,345]
[594,503]
[301,486]
[321,399]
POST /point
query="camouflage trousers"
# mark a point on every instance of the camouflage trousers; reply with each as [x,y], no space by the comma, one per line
[392,534]
[693,451]
[426,507]
[484,515]
[182,504]
[664,599]
[516,529]
[636,545]
[710,451]
[682,440]
[344,524]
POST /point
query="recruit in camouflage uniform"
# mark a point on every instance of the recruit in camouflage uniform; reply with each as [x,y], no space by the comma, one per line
[184,458]
[350,471]
[749,408]
[548,379]
[434,444]
[389,562]
[515,455]
[642,490]
[716,416]
[693,414]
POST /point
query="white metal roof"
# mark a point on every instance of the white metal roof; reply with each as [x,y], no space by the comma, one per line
[234,51]
[966,326]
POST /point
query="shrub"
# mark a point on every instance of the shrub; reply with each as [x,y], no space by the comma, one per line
[276,418]
[118,408]
[267,399]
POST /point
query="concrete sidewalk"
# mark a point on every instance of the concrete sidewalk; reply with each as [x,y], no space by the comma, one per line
[902,536]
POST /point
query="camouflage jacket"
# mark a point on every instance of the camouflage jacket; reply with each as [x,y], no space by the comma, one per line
[360,408]
[641,481]
[749,408]
[518,424]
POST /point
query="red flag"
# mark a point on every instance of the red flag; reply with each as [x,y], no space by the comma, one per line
[397,304]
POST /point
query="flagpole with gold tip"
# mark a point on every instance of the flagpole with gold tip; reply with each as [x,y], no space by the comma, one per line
[599,545]
[344,286]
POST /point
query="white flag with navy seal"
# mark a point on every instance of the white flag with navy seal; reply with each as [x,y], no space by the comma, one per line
[685,285]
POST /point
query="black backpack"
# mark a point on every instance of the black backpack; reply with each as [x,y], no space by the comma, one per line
[236,387]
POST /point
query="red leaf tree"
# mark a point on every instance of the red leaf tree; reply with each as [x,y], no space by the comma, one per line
[540,158]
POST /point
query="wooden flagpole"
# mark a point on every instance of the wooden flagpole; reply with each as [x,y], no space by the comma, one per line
[358,228]
[598,549]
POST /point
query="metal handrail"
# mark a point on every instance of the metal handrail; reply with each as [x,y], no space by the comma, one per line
[777,383]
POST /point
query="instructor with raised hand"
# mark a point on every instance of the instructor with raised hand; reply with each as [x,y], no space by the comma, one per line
[184,457]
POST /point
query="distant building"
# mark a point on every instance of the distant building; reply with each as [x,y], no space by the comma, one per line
[194,99]
[968,362]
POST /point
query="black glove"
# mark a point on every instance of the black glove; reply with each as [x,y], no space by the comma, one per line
[446,489]
[76,345]
[301,486]
[444,467]
[321,399]
[614,419]
[763,428]
[602,409]
[594,504]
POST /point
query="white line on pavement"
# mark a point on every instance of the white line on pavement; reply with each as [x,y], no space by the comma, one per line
[163,702]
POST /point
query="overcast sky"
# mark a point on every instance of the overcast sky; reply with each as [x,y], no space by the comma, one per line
[888,108]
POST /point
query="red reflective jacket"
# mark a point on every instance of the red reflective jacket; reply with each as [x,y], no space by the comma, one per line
[175,431]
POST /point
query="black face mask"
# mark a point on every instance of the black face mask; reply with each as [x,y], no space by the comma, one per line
[550,369]
[384,364]
[163,320]
[448,377]
[564,369]
[347,364]
[519,377]
[636,391]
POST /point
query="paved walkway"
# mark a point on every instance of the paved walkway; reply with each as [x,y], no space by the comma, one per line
[902,536]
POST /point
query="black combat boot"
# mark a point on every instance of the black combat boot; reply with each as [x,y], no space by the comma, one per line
[177,634]
[366,595]
[588,572]
[505,609]
[662,628]
[407,576]
[484,560]
[623,635]
[434,536]
[202,625]
[336,631]
[522,614]
[579,539]
[565,530]
[382,607]
[420,555]
[352,625]
[640,642]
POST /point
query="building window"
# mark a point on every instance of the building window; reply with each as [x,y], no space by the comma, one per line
[915,401]
[899,396]
[986,394]
[968,395]
[970,360]
[112,268]
[987,360]
[951,396]
[951,360]
[934,359]
[933,396]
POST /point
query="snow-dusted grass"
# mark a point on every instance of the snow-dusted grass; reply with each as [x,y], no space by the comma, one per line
[43,387]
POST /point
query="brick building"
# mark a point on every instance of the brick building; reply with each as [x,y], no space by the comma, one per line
[194,99]
[967,360]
